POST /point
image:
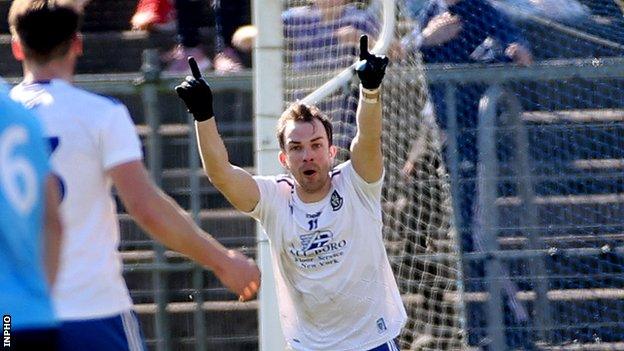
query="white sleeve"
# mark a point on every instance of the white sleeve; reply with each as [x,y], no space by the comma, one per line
[368,193]
[268,192]
[118,139]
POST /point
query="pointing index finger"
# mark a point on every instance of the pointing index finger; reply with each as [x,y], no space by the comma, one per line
[194,68]
[364,47]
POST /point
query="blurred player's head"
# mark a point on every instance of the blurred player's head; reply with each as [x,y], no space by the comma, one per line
[305,138]
[45,30]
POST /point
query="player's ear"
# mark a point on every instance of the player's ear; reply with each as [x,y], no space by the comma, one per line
[333,150]
[282,159]
[77,44]
[16,48]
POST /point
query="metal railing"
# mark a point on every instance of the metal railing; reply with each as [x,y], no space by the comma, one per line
[151,82]
[497,97]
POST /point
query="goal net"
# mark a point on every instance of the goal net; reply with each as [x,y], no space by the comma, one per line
[321,40]
[504,195]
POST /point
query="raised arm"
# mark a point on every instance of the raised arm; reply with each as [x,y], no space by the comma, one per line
[166,222]
[236,184]
[366,154]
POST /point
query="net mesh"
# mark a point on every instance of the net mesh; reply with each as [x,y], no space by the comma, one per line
[503,200]
[321,42]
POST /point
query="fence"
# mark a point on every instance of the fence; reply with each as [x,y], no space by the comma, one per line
[558,172]
[571,283]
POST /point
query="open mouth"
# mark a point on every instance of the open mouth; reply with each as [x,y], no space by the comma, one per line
[309,172]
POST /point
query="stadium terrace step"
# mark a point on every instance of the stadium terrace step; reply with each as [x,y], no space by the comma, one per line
[229,226]
[571,142]
[574,116]
[569,312]
[175,142]
[229,325]
[541,34]
[232,102]
[597,345]
[572,240]
[182,129]
[183,282]
[564,210]
[184,279]
[100,16]
[571,181]
[109,15]
[176,182]
[104,52]
[598,165]
[596,135]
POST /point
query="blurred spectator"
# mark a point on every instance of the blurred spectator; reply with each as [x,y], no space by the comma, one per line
[243,38]
[461,32]
[30,230]
[229,16]
[326,30]
[464,31]
[456,31]
[153,15]
[323,36]
[559,10]
[189,16]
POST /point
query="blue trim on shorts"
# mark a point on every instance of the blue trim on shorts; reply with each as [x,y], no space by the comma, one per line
[391,345]
[117,333]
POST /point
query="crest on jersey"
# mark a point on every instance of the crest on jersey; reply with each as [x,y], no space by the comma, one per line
[336,201]
[381,325]
[315,240]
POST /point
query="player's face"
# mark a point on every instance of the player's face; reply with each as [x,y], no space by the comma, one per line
[308,155]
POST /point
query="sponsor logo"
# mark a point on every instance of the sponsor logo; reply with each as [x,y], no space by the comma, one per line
[315,240]
[381,325]
[314,215]
[336,201]
[318,250]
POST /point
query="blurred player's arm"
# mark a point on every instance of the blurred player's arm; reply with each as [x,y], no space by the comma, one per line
[53,229]
[166,222]
[236,184]
[366,155]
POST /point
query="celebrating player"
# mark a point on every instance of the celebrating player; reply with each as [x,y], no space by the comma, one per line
[94,145]
[335,285]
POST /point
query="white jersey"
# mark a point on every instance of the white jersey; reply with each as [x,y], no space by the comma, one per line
[335,285]
[89,135]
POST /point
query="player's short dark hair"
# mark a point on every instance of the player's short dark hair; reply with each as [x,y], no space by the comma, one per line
[300,112]
[45,28]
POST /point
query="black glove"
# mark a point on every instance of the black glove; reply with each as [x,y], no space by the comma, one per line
[371,68]
[196,94]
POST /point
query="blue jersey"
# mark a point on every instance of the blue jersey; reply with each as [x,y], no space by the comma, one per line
[23,168]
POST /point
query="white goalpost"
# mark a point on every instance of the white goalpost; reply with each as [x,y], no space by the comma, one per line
[268,102]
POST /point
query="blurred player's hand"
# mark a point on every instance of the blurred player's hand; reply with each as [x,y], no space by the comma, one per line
[348,35]
[519,54]
[371,68]
[244,37]
[196,94]
[240,274]
[441,29]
